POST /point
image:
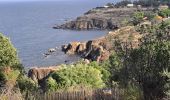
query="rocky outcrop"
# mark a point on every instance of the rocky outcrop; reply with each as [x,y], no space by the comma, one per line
[86,23]
[71,47]
[103,18]
[100,49]
[91,50]
[40,74]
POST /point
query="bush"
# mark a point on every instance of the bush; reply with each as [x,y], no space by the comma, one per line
[75,75]
[104,71]
[10,67]
[137,17]
[132,93]
[26,84]
[8,54]
[164,13]
[51,84]
[11,78]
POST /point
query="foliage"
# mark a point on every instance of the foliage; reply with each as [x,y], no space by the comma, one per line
[132,93]
[150,15]
[2,79]
[75,75]
[147,3]
[26,84]
[51,84]
[137,17]
[13,94]
[113,66]
[8,54]
[10,67]
[164,13]
[103,69]
[166,76]
[148,62]
[11,77]
[122,3]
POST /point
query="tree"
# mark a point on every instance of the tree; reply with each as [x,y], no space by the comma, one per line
[122,3]
[148,62]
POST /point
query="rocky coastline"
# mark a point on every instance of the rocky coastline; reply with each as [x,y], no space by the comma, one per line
[101,19]
[98,49]
[93,50]
[101,48]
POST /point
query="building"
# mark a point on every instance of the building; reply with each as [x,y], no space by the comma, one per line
[130,5]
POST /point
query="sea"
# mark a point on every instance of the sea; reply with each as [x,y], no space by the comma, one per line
[29,24]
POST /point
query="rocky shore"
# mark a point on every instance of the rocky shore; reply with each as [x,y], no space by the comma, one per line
[93,50]
[98,49]
[100,18]
[101,48]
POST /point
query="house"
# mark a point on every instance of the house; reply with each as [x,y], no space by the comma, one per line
[139,6]
[106,6]
[109,5]
[130,5]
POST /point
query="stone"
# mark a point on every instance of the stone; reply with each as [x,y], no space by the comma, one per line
[52,50]
[40,74]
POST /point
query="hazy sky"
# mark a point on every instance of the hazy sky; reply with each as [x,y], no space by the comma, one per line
[44,0]
[41,0]
[31,0]
[28,0]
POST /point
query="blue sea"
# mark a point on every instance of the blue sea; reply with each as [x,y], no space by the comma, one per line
[29,27]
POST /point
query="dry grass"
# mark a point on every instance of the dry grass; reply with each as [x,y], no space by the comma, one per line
[10,94]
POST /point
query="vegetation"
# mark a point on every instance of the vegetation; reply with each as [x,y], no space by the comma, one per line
[10,68]
[74,76]
[123,3]
[8,54]
[138,17]
[164,13]
[142,72]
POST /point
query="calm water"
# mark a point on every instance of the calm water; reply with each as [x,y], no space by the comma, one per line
[29,26]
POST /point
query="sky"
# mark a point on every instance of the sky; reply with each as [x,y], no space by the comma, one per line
[38,0]
[35,0]
[28,0]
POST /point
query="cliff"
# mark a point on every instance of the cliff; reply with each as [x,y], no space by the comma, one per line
[100,18]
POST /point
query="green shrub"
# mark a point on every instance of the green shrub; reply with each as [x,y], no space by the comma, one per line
[10,67]
[51,84]
[164,13]
[79,74]
[8,54]
[137,17]
[26,84]
[132,93]
[103,69]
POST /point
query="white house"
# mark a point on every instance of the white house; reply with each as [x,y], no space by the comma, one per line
[106,6]
[130,5]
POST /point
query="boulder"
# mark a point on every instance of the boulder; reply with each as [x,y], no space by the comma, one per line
[40,74]
[81,48]
[71,48]
[52,50]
